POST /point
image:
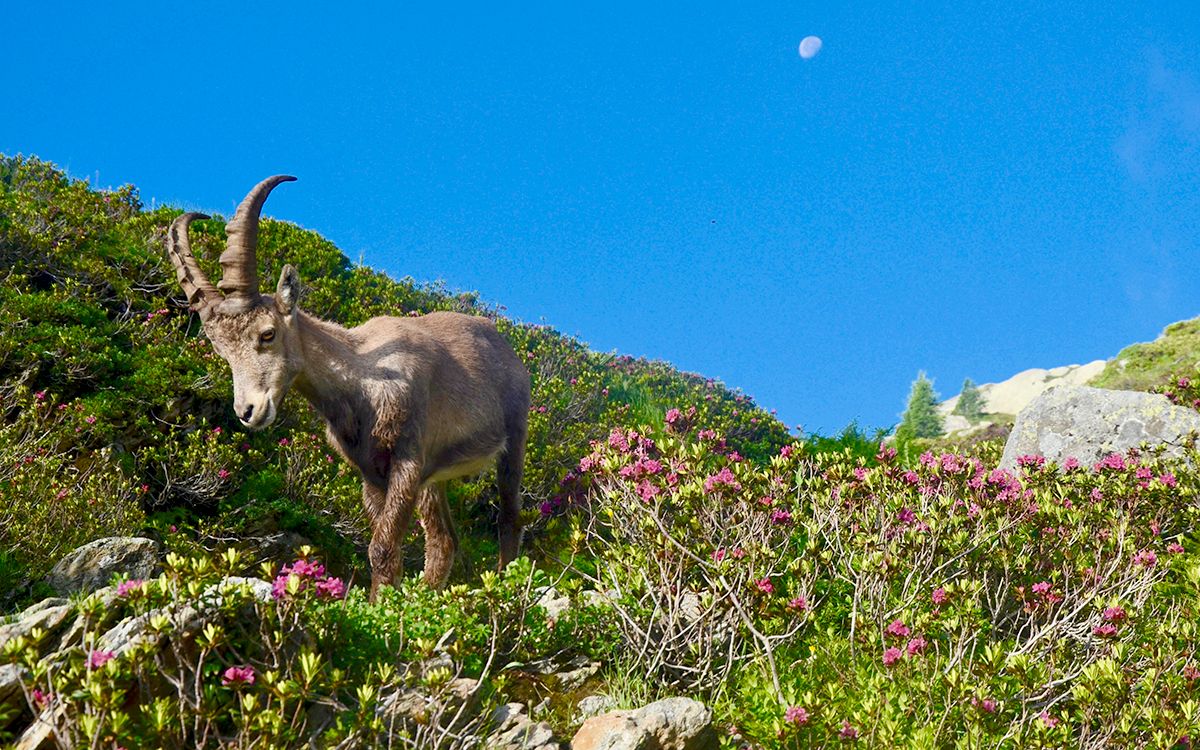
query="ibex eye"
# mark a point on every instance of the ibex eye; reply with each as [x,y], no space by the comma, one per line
[267,336]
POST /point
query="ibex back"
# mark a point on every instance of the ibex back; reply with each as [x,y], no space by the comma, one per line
[410,402]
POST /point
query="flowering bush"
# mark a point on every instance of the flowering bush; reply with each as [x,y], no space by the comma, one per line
[901,605]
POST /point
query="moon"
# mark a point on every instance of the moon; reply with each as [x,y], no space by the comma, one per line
[809,47]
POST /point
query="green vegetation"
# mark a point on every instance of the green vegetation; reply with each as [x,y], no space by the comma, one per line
[1145,366]
[812,592]
[921,419]
[970,402]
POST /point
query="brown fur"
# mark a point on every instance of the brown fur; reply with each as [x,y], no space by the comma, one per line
[410,402]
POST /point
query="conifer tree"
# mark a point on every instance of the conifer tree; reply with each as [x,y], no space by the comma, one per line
[921,418]
[970,402]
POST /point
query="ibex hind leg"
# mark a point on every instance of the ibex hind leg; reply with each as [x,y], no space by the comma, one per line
[509,470]
[441,543]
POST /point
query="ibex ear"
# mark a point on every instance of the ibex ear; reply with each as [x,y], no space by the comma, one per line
[287,294]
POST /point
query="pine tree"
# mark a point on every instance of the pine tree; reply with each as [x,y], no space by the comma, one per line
[970,402]
[921,418]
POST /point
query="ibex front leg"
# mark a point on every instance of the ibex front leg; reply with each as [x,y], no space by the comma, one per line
[390,512]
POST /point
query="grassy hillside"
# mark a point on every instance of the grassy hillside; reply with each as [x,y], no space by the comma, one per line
[813,594]
[117,414]
[1151,365]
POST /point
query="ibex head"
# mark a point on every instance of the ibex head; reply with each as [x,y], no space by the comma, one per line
[255,333]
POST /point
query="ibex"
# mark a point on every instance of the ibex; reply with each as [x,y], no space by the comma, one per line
[410,402]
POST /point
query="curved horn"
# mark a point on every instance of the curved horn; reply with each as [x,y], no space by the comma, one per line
[239,267]
[199,290]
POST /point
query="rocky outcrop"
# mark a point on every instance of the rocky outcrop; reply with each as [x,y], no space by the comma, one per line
[671,724]
[93,565]
[1090,423]
[1014,394]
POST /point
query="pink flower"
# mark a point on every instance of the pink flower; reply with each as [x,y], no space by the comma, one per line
[647,491]
[796,715]
[898,629]
[1146,558]
[40,699]
[238,676]
[917,646]
[90,419]
[723,478]
[40,395]
[718,554]
[765,586]
[125,588]
[1042,588]
[738,553]
[1191,673]
[848,731]
[1049,721]
[1115,614]
[781,517]
[891,656]
[785,451]
[987,705]
[860,473]
[618,440]
[1107,630]
[1113,461]
[912,477]
[1168,479]
[98,659]
[1029,461]
[906,516]
[800,604]
[285,442]
[331,588]
[886,453]
[223,474]
[1070,464]
[1175,548]
[940,596]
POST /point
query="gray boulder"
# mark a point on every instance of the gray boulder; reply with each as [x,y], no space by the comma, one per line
[1090,423]
[92,566]
[514,730]
[671,724]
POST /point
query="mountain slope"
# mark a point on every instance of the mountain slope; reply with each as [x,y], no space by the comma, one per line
[116,412]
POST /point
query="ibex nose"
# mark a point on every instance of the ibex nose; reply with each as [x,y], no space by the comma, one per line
[245,416]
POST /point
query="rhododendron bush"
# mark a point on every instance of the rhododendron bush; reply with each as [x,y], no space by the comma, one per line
[816,595]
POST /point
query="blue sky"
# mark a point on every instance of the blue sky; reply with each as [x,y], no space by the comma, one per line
[965,191]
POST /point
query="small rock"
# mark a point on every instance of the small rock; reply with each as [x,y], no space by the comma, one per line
[593,705]
[671,724]
[91,566]
[612,731]
[555,604]
[513,730]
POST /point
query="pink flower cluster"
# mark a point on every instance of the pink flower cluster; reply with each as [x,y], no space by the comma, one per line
[238,676]
[132,586]
[723,478]
[308,573]
[98,658]
[796,715]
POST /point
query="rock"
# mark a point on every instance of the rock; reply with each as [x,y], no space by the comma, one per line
[612,731]
[39,735]
[593,705]
[1090,423]
[12,697]
[555,604]
[513,730]
[49,614]
[1010,396]
[92,566]
[671,724]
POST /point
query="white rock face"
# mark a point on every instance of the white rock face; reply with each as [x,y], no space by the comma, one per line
[1012,395]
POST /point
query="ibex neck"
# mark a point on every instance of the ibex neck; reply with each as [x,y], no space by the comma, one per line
[326,379]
